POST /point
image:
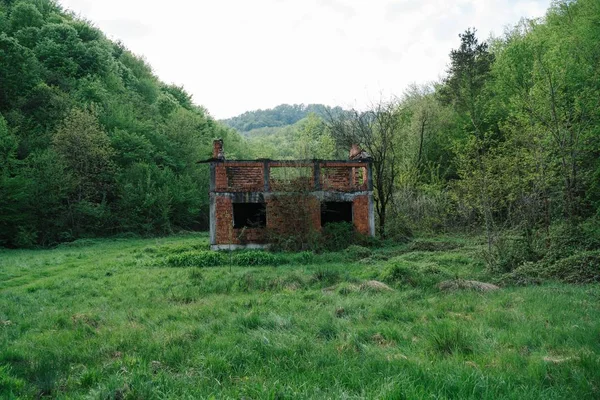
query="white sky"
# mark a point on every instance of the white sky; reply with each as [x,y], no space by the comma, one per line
[240,55]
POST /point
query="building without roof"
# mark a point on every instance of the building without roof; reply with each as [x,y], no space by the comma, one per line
[253,199]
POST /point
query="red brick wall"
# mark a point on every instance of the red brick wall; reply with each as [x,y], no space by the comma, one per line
[226,233]
[360,210]
[288,214]
[241,177]
[224,223]
[343,178]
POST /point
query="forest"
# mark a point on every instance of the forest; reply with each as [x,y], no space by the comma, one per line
[93,144]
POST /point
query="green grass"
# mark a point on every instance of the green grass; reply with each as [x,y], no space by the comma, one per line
[115,319]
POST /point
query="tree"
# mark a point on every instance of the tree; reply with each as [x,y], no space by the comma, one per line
[314,140]
[465,89]
[376,131]
[86,148]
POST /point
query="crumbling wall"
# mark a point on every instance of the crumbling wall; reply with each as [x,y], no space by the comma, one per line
[291,191]
[241,177]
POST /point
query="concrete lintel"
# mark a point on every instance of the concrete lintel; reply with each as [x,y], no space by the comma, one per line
[249,246]
[259,197]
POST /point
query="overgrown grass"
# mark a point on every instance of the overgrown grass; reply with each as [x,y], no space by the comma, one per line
[110,319]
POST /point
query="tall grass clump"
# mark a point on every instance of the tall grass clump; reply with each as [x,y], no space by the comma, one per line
[204,258]
[425,275]
[256,258]
[447,339]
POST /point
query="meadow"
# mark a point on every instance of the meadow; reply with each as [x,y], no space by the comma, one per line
[151,319]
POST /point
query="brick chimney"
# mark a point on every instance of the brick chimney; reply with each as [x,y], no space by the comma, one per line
[356,153]
[218,149]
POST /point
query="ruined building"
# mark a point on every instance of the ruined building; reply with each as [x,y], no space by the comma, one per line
[253,199]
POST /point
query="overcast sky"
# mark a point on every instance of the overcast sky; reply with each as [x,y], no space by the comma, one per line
[240,55]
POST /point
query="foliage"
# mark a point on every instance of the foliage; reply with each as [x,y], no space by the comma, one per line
[337,236]
[427,275]
[308,138]
[253,258]
[356,252]
[204,258]
[91,142]
[581,268]
[376,131]
[282,115]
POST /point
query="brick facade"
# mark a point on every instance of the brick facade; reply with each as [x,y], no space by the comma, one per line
[291,191]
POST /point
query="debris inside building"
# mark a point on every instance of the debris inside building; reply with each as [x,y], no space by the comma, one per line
[253,199]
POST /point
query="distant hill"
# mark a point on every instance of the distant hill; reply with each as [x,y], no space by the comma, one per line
[282,115]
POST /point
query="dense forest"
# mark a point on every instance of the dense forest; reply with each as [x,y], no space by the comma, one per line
[91,142]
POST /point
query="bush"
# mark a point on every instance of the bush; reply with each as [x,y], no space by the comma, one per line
[580,268]
[294,242]
[427,275]
[429,245]
[509,253]
[178,248]
[337,236]
[302,258]
[326,276]
[255,258]
[196,259]
[356,252]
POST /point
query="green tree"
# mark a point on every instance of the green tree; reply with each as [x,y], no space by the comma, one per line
[377,131]
[465,89]
[85,147]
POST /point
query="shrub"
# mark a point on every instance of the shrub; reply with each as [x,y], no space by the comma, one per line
[252,258]
[426,275]
[429,245]
[356,252]
[302,258]
[337,236]
[204,258]
[294,242]
[580,268]
[509,253]
[177,249]
[326,276]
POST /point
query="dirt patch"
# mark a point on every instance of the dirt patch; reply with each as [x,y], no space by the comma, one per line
[368,286]
[375,286]
[460,284]
[84,319]
[558,360]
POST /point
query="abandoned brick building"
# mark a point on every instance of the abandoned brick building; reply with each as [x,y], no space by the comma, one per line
[252,199]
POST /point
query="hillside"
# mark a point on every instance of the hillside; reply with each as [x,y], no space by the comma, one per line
[282,115]
[91,141]
[288,131]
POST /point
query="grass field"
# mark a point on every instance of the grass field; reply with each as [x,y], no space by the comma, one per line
[111,319]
